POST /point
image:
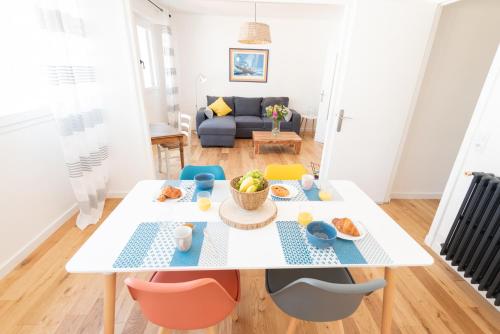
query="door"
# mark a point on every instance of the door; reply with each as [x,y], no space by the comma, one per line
[372,100]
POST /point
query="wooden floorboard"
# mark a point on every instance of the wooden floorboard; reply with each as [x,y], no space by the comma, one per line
[40,297]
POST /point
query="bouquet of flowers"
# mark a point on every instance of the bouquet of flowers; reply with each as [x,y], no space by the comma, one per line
[277,112]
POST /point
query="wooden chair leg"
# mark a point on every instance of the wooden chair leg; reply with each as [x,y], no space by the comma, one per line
[292,326]
[212,330]
[158,154]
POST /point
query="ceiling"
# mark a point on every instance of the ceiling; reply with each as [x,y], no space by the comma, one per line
[245,9]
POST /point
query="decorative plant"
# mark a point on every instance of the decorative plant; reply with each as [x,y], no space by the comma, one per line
[277,112]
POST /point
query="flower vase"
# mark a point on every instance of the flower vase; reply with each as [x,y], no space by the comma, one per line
[276,127]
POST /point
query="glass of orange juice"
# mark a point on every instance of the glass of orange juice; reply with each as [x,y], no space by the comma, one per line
[325,191]
[203,200]
[304,217]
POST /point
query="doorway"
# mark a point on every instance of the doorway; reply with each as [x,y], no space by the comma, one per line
[457,68]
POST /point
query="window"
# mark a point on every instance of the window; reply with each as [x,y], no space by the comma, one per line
[146,56]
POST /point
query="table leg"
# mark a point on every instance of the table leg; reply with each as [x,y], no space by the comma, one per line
[158,155]
[109,303]
[255,148]
[297,147]
[388,301]
[181,150]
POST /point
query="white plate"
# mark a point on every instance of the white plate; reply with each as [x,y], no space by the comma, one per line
[291,189]
[171,200]
[359,226]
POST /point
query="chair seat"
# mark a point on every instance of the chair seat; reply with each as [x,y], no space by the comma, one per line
[277,279]
[228,279]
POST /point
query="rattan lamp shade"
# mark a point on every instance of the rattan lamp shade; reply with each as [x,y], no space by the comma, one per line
[254,33]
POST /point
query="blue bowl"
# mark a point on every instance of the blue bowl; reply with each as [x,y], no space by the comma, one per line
[204,181]
[320,234]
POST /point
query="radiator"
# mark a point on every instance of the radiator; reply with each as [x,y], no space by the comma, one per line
[473,243]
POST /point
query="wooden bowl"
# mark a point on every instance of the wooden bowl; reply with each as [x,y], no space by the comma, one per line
[249,201]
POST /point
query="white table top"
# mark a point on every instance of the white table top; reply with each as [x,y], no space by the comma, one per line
[253,249]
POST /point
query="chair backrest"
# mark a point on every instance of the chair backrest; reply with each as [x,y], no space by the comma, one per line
[284,172]
[188,172]
[188,305]
[315,300]
[184,125]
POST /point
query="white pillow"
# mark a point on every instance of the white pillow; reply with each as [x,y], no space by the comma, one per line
[209,112]
[288,116]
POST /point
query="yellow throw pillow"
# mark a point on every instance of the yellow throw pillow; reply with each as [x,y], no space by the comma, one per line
[220,107]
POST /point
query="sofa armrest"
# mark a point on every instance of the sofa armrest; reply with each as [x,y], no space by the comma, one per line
[295,121]
[200,117]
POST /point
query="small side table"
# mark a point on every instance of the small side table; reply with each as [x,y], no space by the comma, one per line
[305,118]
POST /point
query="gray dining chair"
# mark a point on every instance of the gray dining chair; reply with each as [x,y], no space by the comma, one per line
[317,294]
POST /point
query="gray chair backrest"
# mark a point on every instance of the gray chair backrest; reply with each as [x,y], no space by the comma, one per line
[315,300]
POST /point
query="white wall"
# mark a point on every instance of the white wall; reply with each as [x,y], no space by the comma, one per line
[479,152]
[130,153]
[296,58]
[464,46]
[35,196]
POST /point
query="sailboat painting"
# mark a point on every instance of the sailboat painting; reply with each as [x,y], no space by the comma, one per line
[248,65]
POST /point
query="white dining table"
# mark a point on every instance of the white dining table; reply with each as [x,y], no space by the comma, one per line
[245,249]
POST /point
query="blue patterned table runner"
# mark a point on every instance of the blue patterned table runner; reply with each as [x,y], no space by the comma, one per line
[298,251]
[152,245]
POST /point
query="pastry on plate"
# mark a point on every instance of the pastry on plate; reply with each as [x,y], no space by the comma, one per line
[346,226]
[280,191]
[169,192]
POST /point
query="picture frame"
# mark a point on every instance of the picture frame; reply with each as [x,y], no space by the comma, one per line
[248,65]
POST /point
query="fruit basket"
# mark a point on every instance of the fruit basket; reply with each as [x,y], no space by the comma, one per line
[249,200]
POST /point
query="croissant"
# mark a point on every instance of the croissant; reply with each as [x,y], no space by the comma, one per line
[346,226]
[171,192]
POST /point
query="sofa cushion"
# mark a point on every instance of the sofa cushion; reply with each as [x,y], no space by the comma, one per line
[252,122]
[224,125]
[228,99]
[220,107]
[271,101]
[247,106]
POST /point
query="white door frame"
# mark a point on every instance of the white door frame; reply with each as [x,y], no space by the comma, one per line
[465,147]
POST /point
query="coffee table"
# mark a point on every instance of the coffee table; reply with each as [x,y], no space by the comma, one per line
[283,138]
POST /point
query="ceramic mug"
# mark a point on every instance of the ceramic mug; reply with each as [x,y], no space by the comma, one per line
[183,238]
[307,181]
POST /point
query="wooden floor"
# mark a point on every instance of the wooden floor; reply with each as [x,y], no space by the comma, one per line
[39,296]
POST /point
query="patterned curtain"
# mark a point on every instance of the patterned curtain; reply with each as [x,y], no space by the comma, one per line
[75,102]
[171,87]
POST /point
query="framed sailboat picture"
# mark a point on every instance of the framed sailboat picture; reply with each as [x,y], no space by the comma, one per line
[248,65]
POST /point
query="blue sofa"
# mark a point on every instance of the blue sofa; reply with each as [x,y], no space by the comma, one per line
[248,115]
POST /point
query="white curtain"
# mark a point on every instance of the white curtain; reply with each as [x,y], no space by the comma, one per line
[74,98]
[170,72]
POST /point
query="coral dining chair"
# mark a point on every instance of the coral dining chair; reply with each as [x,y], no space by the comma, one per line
[284,172]
[187,300]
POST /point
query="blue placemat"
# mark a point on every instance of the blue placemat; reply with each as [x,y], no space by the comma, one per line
[302,195]
[152,245]
[298,251]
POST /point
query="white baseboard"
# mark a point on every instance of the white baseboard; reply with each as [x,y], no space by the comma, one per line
[416,195]
[17,258]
